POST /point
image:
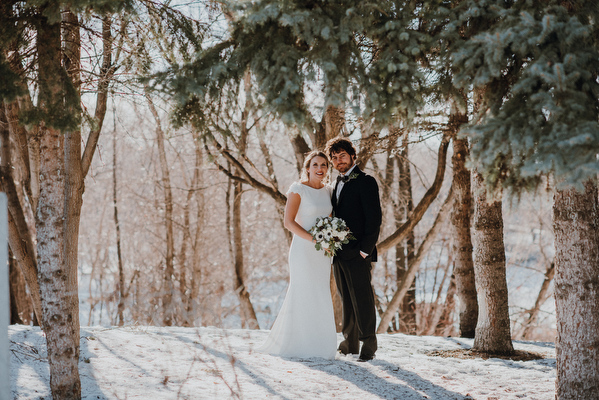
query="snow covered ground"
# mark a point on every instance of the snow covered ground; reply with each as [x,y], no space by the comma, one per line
[208,363]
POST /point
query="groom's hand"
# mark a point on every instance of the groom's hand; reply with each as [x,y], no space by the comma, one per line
[364,255]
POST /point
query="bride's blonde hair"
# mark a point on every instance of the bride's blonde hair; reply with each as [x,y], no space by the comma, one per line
[305,176]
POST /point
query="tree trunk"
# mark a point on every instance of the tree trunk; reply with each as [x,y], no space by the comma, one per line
[493,327]
[20,234]
[74,183]
[462,241]
[248,315]
[52,218]
[405,250]
[169,270]
[21,310]
[576,227]
[121,286]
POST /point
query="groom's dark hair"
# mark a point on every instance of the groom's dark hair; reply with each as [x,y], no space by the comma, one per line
[338,144]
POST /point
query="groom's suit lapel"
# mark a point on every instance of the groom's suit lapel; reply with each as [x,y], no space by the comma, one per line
[351,181]
[334,198]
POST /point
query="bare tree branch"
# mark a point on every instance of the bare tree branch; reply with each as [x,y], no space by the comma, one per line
[274,193]
[425,202]
[415,264]
[106,74]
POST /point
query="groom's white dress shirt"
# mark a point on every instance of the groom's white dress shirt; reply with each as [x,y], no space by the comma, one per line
[341,183]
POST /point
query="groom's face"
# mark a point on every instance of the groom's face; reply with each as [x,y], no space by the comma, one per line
[342,161]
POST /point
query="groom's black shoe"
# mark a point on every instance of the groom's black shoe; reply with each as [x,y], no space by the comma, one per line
[365,357]
[369,347]
[345,348]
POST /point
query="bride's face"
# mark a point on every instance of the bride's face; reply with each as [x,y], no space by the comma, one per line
[318,168]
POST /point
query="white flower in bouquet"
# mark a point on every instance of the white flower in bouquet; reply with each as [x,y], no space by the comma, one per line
[330,234]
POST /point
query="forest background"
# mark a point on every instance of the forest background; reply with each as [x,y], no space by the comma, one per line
[199,116]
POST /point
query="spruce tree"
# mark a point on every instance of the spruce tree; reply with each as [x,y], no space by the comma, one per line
[538,62]
[364,55]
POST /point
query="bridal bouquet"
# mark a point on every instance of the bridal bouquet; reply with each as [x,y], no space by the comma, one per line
[330,233]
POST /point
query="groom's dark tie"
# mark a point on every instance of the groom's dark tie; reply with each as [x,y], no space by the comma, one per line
[342,178]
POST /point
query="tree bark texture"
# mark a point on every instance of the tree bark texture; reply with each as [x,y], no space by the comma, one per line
[20,233]
[576,229]
[57,293]
[21,310]
[462,241]
[74,183]
[493,327]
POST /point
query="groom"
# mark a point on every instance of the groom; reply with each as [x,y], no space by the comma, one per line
[355,200]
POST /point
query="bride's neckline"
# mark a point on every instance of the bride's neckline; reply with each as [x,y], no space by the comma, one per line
[323,186]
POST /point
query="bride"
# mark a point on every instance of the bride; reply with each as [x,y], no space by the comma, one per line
[305,326]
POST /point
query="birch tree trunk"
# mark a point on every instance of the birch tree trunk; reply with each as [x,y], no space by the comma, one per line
[576,229]
[462,241]
[493,327]
[55,279]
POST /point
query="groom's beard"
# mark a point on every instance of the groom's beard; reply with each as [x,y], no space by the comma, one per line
[343,168]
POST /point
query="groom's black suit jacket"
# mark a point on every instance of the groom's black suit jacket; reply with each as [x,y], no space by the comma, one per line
[360,207]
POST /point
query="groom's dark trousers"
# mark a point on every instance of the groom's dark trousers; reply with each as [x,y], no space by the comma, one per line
[359,206]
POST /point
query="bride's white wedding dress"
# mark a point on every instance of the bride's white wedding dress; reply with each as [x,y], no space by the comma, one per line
[305,326]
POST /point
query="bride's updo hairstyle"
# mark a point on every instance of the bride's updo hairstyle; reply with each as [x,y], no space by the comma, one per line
[305,177]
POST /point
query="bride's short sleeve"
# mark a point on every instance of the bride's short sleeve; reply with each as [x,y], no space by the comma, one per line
[295,187]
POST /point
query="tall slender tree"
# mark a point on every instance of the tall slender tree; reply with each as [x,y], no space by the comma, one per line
[56,167]
[461,221]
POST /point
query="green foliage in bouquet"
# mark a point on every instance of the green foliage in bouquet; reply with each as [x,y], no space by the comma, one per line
[330,234]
